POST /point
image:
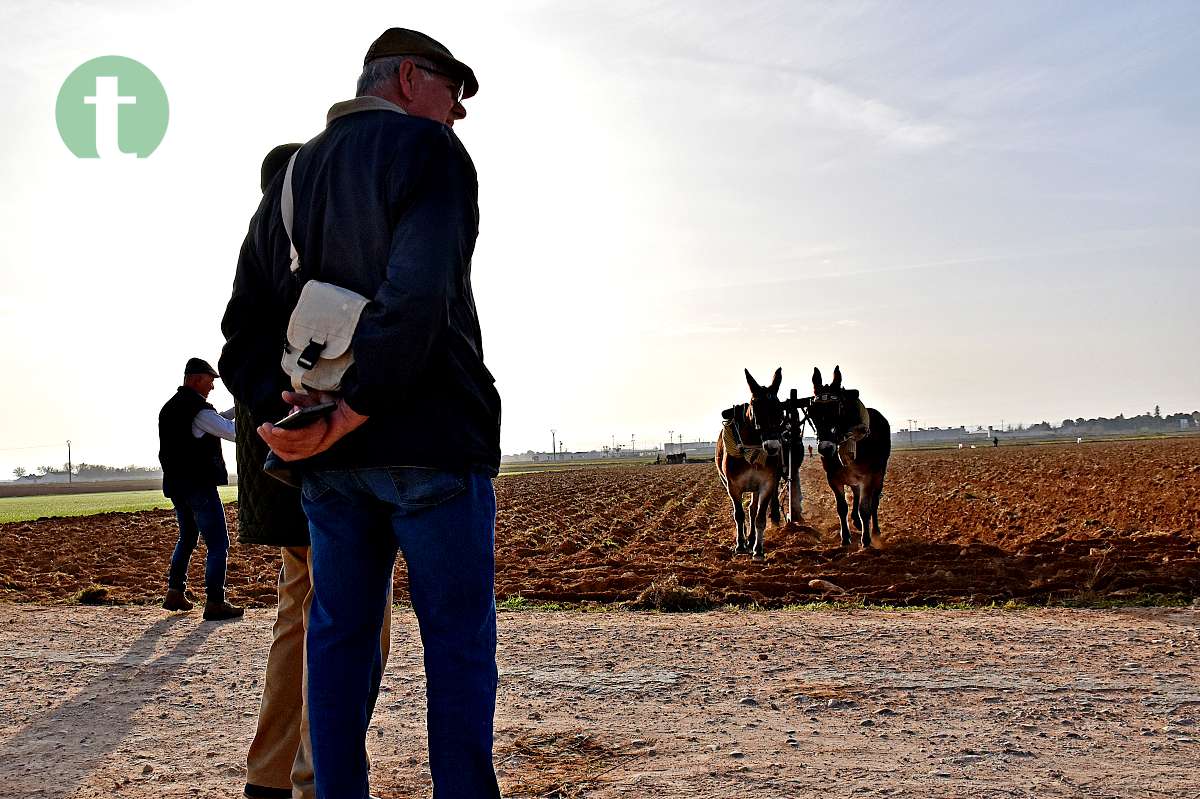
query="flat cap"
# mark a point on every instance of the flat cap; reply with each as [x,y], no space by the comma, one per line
[402,41]
[199,366]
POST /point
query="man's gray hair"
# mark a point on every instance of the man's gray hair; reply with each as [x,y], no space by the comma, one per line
[381,70]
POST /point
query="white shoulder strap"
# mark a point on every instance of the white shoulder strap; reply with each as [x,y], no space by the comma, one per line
[285,209]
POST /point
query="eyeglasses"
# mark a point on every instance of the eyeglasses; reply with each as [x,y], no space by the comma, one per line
[459,85]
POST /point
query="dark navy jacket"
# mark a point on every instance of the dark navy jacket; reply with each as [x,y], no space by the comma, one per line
[385,205]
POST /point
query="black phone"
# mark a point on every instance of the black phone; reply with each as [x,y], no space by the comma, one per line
[306,416]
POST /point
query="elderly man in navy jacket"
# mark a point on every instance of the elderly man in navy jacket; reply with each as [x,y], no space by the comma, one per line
[385,205]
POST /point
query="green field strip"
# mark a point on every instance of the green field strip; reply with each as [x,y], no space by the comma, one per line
[20,509]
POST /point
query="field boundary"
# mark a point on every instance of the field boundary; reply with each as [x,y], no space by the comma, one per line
[32,489]
[1035,441]
[29,489]
[52,506]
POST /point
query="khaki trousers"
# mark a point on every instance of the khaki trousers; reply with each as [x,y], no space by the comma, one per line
[281,754]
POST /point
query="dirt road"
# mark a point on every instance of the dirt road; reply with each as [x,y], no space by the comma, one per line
[131,702]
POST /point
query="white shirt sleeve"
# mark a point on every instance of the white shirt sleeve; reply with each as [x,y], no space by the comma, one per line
[213,423]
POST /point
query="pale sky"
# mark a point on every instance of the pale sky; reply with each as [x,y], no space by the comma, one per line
[982,211]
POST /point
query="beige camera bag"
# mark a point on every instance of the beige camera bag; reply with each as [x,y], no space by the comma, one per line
[320,331]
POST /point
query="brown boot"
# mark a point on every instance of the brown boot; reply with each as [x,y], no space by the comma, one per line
[219,611]
[175,600]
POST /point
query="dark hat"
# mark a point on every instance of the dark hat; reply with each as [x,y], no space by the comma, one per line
[402,41]
[275,161]
[199,366]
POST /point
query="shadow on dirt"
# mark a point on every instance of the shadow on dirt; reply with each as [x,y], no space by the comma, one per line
[61,746]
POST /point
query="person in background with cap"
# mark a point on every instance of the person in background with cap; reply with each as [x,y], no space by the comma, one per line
[385,204]
[279,761]
[189,438]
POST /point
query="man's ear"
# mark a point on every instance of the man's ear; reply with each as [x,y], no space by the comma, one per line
[405,81]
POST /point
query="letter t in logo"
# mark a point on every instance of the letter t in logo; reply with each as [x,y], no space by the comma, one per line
[107,99]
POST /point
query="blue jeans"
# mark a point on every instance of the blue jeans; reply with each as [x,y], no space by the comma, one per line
[444,524]
[200,513]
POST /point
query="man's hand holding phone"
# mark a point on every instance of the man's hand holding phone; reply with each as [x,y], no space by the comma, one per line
[303,417]
[319,421]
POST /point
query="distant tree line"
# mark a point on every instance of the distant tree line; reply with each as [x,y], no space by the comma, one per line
[1150,421]
[89,471]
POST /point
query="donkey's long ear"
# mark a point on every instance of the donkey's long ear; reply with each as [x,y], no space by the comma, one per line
[777,381]
[754,386]
[817,381]
[837,378]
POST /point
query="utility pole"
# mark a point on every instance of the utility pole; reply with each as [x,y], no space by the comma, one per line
[632,443]
[911,422]
[554,445]
[69,469]
[670,440]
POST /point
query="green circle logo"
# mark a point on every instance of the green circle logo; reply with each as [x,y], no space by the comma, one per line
[112,107]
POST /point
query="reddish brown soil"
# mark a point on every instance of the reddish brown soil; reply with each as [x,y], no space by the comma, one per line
[1035,523]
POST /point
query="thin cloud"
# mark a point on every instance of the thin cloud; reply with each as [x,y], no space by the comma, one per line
[749,89]
[868,115]
[814,251]
[841,107]
[1117,240]
[698,330]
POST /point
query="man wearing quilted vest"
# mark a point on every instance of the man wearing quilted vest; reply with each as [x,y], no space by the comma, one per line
[279,761]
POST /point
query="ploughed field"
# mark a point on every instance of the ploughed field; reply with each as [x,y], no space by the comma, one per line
[1034,523]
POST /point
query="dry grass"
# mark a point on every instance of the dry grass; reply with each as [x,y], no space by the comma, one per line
[92,595]
[669,596]
[562,765]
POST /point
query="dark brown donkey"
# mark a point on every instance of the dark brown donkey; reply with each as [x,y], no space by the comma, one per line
[749,460]
[852,457]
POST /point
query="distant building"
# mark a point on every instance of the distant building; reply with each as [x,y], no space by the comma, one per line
[693,449]
[529,456]
[52,477]
[927,435]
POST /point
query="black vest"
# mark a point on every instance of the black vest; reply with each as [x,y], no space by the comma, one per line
[187,462]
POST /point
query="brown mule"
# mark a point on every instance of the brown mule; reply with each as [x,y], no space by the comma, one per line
[852,456]
[749,460]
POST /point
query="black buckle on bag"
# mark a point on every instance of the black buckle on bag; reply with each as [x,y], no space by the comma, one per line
[308,358]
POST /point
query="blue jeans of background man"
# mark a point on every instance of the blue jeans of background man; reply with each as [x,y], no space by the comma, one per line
[444,524]
[200,513]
